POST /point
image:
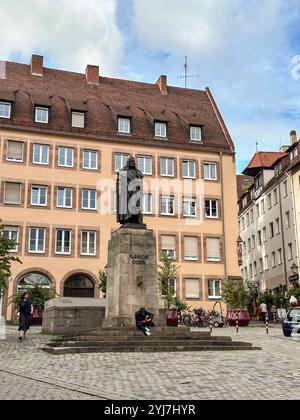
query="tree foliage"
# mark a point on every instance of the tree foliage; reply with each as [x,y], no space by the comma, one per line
[167,272]
[38,296]
[6,259]
[103,282]
[236,294]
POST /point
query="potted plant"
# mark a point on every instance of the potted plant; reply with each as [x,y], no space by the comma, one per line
[38,296]
[237,297]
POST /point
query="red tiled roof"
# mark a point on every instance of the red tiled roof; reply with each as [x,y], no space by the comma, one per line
[263,160]
[62,89]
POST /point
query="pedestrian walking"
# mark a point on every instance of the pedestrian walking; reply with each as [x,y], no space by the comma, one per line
[25,313]
[264,311]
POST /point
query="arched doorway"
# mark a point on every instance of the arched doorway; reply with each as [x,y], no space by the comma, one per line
[30,280]
[80,286]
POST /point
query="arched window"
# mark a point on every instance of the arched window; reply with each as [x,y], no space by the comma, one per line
[79,285]
[30,280]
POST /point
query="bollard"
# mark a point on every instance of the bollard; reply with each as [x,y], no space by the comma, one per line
[210,324]
[267,324]
[237,322]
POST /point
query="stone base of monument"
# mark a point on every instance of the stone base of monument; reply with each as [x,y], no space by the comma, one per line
[129,340]
[132,280]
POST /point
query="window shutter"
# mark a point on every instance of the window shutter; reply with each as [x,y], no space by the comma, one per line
[213,249]
[191,248]
[15,150]
[192,288]
[168,242]
[12,193]
[78,119]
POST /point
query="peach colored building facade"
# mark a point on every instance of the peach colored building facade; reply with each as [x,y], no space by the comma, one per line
[57,189]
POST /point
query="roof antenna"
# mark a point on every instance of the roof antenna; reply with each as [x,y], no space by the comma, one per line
[257,144]
[186,75]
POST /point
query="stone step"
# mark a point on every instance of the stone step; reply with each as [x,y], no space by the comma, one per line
[135,333]
[153,337]
[143,349]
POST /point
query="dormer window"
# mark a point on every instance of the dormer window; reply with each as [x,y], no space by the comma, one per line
[41,115]
[195,133]
[5,109]
[160,129]
[78,119]
[124,125]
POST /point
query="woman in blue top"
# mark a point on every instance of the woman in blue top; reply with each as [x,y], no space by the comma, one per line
[25,312]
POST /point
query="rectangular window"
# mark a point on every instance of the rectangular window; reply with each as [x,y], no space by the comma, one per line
[287,220]
[39,195]
[161,129]
[192,288]
[243,223]
[195,133]
[244,248]
[167,167]
[78,119]
[251,216]
[290,251]
[12,233]
[277,224]
[145,165]
[37,238]
[271,230]
[189,169]
[13,193]
[261,266]
[250,271]
[273,259]
[191,248]
[211,209]
[269,201]
[120,161]
[64,197]
[172,287]
[63,242]
[41,115]
[259,237]
[189,207]
[90,160]
[246,273]
[214,289]
[41,154]
[66,157]
[168,245]
[247,219]
[167,206]
[89,200]
[88,243]
[147,204]
[249,245]
[15,151]
[285,189]
[257,210]
[275,196]
[210,171]
[255,268]
[262,206]
[253,242]
[266,259]
[124,125]
[264,234]
[5,110]
[213,250]
[279,256]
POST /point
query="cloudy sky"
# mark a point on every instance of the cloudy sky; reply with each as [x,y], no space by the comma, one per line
[246,51]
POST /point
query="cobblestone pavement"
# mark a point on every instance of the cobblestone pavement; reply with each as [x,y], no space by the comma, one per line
[273,373]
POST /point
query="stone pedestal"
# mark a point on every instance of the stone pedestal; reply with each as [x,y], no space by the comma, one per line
[131,276]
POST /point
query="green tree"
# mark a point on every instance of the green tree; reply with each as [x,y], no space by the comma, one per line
[38,296]
[236,295]
[167,272]
[6,259]
[103,282]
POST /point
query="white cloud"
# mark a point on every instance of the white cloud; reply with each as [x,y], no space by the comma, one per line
[72,33]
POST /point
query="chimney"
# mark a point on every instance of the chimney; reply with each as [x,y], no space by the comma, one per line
[162,82]
[293,136]
[92,75]
[37,66]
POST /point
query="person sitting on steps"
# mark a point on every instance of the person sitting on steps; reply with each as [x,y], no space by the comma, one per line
[144,321]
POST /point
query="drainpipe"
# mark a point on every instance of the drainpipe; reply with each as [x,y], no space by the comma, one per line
[282,237]
[223,217]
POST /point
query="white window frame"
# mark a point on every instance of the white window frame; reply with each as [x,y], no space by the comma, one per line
[89,199]
[82,114]
[195,129]
[143,166]
[161,129]
[90,153]
[169,201]
[190,169]
[36,251]
[290,251]
[63,242]
[168,173]
[211,208]
[210,176]
[9,230]
[64,198]
[273,259]
[189,201]
[151,204]
[215,296]
[41,146]
[219,258]
[279,256]
[15,160]
[63,153]
[124,125]
[192,296]
[6,104]
[189,258]
[39,187]
[88,232]
[124,156]
[266,262]
[41,109]
[285,189]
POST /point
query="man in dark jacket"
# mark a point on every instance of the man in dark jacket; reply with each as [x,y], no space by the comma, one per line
[144,320]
